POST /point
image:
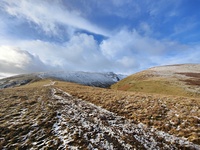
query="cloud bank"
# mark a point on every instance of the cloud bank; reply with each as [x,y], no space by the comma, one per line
[14,60]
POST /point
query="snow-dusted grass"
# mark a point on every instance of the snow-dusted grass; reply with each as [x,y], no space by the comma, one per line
[172,114]
[95,127]
[52,117]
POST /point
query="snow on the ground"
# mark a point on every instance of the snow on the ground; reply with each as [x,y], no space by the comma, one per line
[82,124]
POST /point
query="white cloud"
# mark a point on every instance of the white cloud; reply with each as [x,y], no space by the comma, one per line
[135,52]
[131,43]
[81,52]
[49,15]
[128,62]
[14,61]
[118,45]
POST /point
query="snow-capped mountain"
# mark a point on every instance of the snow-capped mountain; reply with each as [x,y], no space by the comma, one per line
[85,78]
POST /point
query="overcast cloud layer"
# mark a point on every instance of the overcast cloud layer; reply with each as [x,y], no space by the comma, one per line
[92,35]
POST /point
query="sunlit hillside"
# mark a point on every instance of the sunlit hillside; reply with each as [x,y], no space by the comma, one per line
[180,80]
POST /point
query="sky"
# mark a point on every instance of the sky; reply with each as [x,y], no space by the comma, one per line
[122,36]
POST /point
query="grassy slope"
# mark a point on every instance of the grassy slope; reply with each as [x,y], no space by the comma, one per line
[148,83]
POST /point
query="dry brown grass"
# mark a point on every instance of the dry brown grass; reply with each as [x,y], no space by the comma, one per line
[173,114]
[29,108]
[26,116]
[148,81]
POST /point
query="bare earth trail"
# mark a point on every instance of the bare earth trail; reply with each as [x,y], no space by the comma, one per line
[49,118]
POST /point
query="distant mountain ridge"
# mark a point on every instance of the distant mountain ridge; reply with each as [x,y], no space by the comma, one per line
[86,78]
[180,79]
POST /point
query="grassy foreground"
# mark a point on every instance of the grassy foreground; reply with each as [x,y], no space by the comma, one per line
[31,108]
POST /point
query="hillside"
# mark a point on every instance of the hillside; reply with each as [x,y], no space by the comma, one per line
[51,114]
[86,78]
[182,80]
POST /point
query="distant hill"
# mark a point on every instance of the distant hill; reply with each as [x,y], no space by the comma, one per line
[86,78]
[182,80]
